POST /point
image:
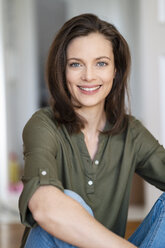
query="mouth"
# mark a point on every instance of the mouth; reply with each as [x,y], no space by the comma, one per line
[89,89]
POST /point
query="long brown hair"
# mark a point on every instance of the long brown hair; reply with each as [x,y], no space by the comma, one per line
[115,108]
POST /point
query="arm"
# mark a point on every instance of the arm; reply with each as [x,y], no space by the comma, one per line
[150,156]
[67,220]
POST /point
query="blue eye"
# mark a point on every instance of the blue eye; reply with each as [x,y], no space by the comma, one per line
[101,63]
[75,64]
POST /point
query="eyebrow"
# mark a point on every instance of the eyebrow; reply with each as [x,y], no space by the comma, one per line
[103,57]
[78,59]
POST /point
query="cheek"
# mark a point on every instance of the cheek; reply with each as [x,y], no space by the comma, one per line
[108,82]
[108,79]
[108,75]
[71,86]
[70,80]
[72,76]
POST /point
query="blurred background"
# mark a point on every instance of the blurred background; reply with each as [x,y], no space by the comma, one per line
[27,28]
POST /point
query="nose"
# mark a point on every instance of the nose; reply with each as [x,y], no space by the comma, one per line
[88,74]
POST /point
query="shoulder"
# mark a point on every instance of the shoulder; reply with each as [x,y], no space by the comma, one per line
[42,117]
[42,123]
[43,114]
[139,132]
[135,125]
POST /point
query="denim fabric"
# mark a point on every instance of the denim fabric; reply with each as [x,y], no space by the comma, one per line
[150,234]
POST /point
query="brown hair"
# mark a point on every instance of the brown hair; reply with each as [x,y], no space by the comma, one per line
[115,109]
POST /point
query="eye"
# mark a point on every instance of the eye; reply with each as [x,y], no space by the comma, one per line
[75,64]
[101,63]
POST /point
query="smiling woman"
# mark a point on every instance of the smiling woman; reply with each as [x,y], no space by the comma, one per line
[82,151]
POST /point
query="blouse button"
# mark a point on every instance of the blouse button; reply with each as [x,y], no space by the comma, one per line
[44,173]
[90,182]
[96,162]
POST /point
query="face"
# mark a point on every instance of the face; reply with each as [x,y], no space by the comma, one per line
[90,70]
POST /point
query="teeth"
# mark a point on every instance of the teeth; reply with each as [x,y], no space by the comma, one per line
[89,89]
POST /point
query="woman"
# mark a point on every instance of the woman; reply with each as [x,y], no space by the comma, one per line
[81,153]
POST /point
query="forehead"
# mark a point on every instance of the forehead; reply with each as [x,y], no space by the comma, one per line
[92,44]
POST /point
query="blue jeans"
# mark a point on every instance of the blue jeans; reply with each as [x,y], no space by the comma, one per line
[150,234]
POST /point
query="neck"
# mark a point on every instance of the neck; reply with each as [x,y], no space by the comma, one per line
[95,120]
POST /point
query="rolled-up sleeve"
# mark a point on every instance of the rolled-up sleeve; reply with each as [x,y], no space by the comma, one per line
[40,151]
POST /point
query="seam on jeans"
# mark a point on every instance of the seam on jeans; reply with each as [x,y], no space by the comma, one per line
[157,225]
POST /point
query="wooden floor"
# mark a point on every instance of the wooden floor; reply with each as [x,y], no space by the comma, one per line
[10,234]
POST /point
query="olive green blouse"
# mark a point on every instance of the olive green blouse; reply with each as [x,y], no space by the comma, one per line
[54,157]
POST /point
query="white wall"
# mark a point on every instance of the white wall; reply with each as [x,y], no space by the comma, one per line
[20,69]
[152,40]
[18,80]
[3,133]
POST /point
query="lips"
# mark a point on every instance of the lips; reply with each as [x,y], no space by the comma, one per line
[89,89]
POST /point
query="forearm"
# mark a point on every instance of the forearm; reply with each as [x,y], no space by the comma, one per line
[82,230]
[67,220]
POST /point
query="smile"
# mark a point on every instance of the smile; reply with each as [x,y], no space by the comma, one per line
[89,89]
